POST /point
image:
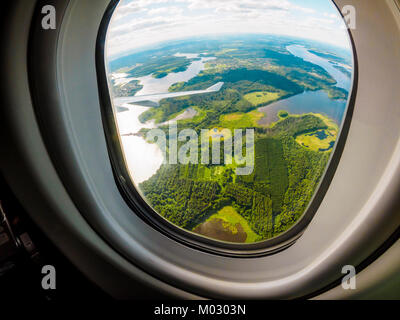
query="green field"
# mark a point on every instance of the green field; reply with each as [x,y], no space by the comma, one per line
[320,140]
[262,97]
[241,120]
[317,141]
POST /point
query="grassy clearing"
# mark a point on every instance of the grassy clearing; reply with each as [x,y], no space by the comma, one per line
[201,115]
[231,218]
[241,120]
[312,142]
[233,117]
[262,97]
[320,140]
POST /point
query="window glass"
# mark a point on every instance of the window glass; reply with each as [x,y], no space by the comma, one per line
[228,111]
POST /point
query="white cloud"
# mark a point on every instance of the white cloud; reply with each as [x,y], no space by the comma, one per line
[329,15]
[128,9]
[165,10]
[234,5]
[143,22]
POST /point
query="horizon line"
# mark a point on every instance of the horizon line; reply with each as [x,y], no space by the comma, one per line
[150,46]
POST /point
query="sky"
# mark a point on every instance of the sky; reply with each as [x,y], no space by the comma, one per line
[139,23]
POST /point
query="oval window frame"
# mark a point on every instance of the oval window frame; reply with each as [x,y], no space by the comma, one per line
[144,210]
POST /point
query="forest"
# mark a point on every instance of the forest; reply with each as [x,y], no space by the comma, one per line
[271,199]
[291,154]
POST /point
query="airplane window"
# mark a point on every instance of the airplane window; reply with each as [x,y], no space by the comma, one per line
[228,112]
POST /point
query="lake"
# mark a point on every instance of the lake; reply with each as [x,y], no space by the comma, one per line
[153,85]
[343,81]
[144,159]
[310,101]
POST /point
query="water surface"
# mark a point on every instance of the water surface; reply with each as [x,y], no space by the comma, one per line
[311,101]
[153,85]
[343,81]
[144,159]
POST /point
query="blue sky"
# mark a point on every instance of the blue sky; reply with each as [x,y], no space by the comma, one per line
[138,23]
